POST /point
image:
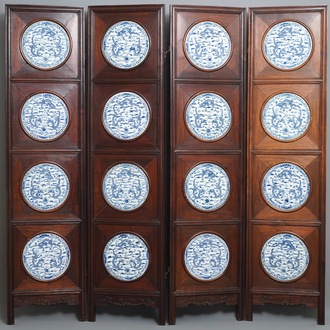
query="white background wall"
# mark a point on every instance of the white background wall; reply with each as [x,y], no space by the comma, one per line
[219,317]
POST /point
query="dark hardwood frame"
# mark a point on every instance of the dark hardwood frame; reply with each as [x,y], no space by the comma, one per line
[147,151]
[68,151]
[308,221]
[186,151]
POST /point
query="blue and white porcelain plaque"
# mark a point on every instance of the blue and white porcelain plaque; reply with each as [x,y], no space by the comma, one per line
[286,117]
[125,45]
[46,257]
[287,45]
[45,187]
[125,187]
[285,257]
[44,117]
[208,117]
[45,45]
[286,187]
[208,45]
[126,257]
[126,116]
[206,257]
[207,187]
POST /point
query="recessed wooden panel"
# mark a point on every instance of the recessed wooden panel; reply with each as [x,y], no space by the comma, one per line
[102,139]
[310,137]
[313,19]
[70,280]
[67,18]
[229,18]
[104,281]
[68,93]
[308,235]
[260,209]
[230,209]
[228,279]
[147,211]
[69,209]
[185,93]
[102,18]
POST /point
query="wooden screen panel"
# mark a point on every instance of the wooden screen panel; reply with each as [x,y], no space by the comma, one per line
[308,210]
[102,139]
[314,20]
[310,136]
[186,18]
[309,281]
[68,20]
[185,94]
[148,18]
[200,142]
[45,125]
[148,210]
[25,284]
[286,117]
[69,93]
[69,209]
[185,282]
[115,83]
[103,233]
[230,210]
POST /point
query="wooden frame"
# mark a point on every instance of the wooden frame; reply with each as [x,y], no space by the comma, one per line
[67,151]
[187,151]
[307,222]
[146,151]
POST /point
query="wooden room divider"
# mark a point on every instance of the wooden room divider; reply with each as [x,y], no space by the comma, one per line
[227,186]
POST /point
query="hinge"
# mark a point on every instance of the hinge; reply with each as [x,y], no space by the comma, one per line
[168,51]
[168,271]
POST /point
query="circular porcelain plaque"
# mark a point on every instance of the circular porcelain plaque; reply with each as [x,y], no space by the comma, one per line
[207,187]
[286,187]
[287,45]
[285,257]
[126,257]
[46,257]
[206,257]
[125,45]
[45,45]
[125,187]
[45,187]
[44,117]
[126,116]
[208,117]
[207,45]
[286,117]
